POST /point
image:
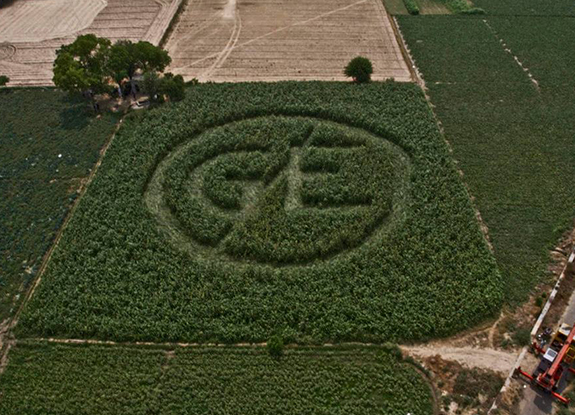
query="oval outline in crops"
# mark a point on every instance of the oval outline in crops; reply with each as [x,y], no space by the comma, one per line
[184,197]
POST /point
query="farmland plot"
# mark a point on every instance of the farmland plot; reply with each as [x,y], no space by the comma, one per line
[239,40]
[63,379]
[324,212]
[32,30]
[48,145]
[502,88]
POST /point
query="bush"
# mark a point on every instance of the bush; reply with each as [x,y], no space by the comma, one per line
[4,80]
[522,337]
[275,346]
[411,7]
[360,69]
[174,87]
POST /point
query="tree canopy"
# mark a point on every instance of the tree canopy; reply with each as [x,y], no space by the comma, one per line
[91,64]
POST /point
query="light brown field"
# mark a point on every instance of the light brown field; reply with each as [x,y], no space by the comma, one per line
[32,30]
[271,40]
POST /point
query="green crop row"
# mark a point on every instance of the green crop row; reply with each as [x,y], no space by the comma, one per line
[133,264]
[512,138]
[63,379]
[48,144]
[411,6]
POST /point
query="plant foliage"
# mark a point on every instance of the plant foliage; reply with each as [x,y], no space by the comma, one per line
[359,69]
[48,144]
[128,267]
[92,380]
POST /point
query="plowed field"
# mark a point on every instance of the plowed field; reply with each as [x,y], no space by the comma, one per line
[265,40]
[31,31]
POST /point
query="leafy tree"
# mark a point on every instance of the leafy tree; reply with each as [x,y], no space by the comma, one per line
[4,80]
[174,87]
[359,69]
[126,58]
[80,67]
[152,85]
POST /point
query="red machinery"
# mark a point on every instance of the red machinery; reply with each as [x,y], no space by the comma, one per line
[553,363]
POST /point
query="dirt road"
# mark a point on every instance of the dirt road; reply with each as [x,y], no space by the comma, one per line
[471,357]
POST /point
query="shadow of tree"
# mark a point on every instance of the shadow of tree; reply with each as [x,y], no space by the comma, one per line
[76,113]
[6,3]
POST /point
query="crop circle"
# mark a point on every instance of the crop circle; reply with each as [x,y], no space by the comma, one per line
[279,190]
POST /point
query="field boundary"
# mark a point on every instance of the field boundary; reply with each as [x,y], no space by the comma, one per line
[162,22]
[5,341]
[535,329]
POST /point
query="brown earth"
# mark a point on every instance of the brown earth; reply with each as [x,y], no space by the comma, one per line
[31,31]
[265,40]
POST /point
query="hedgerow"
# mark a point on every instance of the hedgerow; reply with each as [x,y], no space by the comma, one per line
[411,6]
[151,254]
[67,379]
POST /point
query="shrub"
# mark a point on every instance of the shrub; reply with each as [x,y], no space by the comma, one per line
[275,346]
[174,87]
[4,80]
[522,336]
[411,7]
[359,69]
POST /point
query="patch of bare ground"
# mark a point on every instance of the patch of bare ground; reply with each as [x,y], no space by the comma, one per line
[463,390]
[263,40]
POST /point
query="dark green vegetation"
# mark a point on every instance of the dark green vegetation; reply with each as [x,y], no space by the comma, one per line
[4,80]
[47,378]
[513,138]
[126,269]
[528,8]
[48,145]
[359,69]
[90,64]
[284,189]
[411,6]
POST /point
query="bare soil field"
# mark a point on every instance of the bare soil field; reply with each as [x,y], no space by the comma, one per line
[272,40]
[31,31]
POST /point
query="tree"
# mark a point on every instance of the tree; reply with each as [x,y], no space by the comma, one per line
[359,69]
[80,67]
[152,85]
[4,80]
[173,86]
[126,58]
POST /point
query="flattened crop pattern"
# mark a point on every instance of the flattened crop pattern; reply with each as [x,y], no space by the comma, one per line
[320,211]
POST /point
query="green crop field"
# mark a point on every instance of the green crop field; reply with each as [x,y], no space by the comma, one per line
[48,145]
[64,379]
[512,136]
[316,211]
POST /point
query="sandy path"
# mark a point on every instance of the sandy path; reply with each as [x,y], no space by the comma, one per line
[471,357]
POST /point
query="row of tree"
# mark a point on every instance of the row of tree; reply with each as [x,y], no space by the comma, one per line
[93,65]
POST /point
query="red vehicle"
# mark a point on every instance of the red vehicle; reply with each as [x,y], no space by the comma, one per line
[556,358]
